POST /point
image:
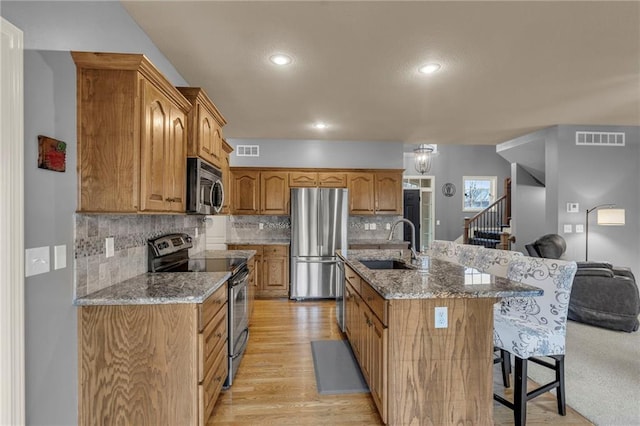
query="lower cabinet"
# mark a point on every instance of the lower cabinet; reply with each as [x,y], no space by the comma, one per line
[271,268]
[368,337]
[152,364]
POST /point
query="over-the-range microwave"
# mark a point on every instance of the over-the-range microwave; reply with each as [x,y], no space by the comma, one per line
[205,193]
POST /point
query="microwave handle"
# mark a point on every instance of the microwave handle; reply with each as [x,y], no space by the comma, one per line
[221,196]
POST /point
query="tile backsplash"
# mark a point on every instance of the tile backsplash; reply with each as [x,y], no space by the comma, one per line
[94,271]
[247,228]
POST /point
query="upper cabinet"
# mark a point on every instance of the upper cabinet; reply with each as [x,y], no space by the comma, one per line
[132,136]
[310,179]
[205,138]
[375,192]
[259,192]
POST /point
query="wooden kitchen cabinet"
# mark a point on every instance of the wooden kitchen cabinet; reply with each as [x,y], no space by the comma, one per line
[256,192]
[332,180]
[375,193]
[205,124]
[132,136]
[226,178]
[367,334]
[245,192]
[388,193]
[305,179]
[274,193]
[361,193]
[271,268]
[152,364]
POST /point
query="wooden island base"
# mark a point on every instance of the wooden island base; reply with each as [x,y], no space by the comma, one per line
[440,375]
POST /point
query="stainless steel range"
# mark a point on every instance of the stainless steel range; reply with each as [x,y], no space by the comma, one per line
[170,253]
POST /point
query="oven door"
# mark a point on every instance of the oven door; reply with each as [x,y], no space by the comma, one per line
[238,321]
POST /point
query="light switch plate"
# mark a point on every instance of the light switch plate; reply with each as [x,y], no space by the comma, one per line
[196,232]
[60,257]
[568,228]
[260,225]
[573,207]
[579,228]
[366,226]
[36,261]
[109,247]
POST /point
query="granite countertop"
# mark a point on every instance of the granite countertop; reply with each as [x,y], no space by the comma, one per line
[441,279]
[165,287]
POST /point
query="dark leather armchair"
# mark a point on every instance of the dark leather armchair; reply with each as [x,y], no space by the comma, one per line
[602,295]
[550,246]
[605,296]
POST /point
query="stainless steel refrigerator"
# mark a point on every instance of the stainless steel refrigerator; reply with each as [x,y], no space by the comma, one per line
[319,218]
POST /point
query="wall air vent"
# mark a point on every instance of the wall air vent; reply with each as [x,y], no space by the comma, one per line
[600,138]
[248,151]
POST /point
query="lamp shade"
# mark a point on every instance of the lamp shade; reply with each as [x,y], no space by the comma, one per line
[423,156]
[611,217]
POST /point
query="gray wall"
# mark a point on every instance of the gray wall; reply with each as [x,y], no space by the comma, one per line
[450,164]
[589,176]
[593,175]
[528,206]
[320,154]
[51,30]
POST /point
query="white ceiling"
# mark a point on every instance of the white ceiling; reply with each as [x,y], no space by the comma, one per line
[508,68]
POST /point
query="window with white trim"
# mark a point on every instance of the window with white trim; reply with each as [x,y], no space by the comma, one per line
[479,192]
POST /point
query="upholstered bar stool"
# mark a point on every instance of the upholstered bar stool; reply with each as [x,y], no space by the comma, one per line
[533,327]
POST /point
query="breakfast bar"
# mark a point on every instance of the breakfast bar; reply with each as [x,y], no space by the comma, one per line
[424,337]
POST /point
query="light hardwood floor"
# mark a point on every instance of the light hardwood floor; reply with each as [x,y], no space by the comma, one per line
[276,384]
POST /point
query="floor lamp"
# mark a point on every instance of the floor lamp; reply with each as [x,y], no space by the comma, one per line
[606,217]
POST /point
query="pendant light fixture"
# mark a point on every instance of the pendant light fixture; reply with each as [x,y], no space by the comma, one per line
[423,156]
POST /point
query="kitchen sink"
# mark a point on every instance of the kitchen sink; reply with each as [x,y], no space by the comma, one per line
[385,264]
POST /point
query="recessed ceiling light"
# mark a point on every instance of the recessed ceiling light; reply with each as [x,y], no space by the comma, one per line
[281,59]
[429,68]
[320,125]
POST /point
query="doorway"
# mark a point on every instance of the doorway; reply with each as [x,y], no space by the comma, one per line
[419,208]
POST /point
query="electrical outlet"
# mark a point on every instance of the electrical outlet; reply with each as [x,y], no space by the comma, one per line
[261,225]
[441,317]
[196,232]
[579,228]
[366,226]
[568,228]
[373,226]
[109,247]
[388,226]
[437,223]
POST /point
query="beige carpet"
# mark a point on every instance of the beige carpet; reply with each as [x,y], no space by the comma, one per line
[602,374]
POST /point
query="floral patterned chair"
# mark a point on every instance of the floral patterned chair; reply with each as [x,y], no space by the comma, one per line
[494,261]
[460,254]
[534,327]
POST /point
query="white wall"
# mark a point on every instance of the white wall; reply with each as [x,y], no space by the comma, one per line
[51,30]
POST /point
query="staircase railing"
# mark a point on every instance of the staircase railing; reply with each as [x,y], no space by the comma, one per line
[491,220]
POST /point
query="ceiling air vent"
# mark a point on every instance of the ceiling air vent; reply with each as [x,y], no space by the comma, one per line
[600,138]
[248,151]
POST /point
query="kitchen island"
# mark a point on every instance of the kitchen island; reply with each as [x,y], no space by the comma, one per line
[153,349]
[424,338]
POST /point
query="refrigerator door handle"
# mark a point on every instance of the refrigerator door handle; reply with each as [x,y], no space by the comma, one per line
[317,261]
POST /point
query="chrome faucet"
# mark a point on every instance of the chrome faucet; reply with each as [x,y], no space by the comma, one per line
[414,255]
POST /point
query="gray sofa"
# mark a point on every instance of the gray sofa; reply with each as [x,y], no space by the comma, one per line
[602,295]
